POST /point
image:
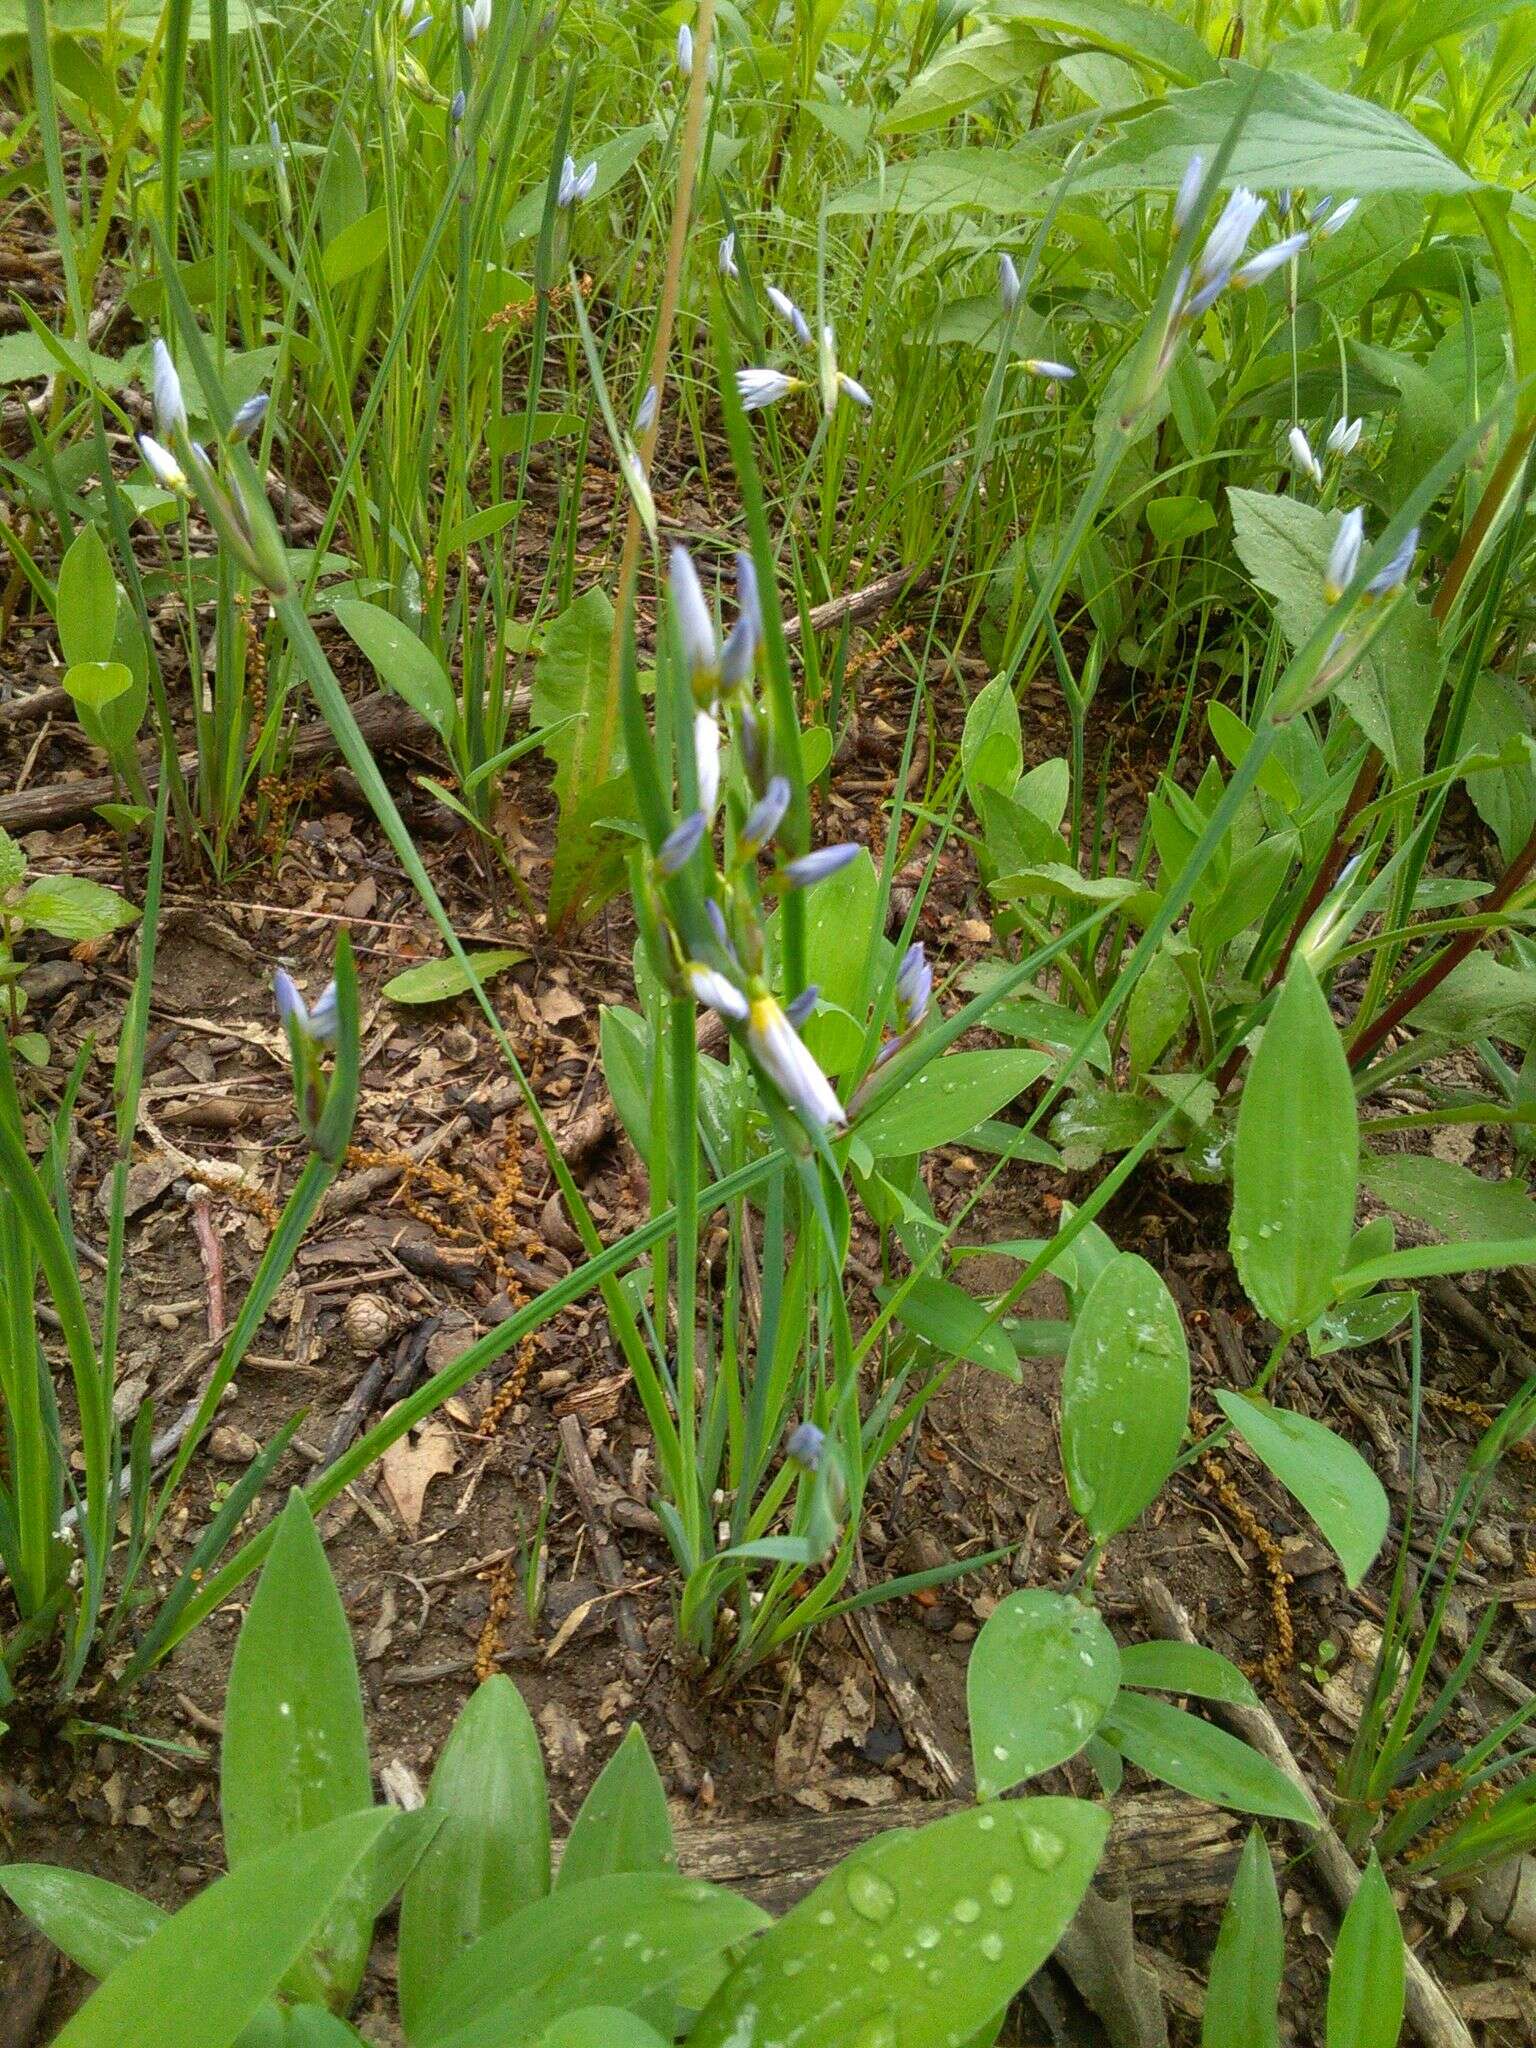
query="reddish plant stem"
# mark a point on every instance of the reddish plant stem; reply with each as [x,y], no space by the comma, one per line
[1408,1001]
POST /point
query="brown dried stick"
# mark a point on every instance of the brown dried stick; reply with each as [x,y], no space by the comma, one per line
[1430,2013]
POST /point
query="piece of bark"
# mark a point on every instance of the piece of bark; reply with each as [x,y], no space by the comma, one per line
[1430,2013]
[1165,1851]
[26,1985]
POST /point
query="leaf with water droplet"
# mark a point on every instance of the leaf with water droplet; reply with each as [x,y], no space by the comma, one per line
[1124,1396]
[1327,1475]
[1042,1675]
[947,1099]
[954,1951]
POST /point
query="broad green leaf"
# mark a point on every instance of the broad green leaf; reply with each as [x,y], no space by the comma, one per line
[1173,518]
[87,600]
[206,1973]
[948,1098]
[959,1914]
[624,1041]
[1363,1321]
[1284,545]
[991,744]
[437,981]
[1481,998]
[570,692]
[295,1751]
[13,863]
[1204,1761]
[991,60]
[97,1924]
[359,245]
[70,907]
[1294,132]
[1452,1200]
[955,1323]
[1242,1999]
[1366,1982]
[952,181]
[1124,1396]
[1188,1668]
[402,661]
[1043,1674]
[1327,1475]
[1150,37]
[1096,1121]
[847,902]
[611,1941]
[1158,1008]
[1505,798]
[490,1856]
[1296,1159]
[600,2026]
[623,1825]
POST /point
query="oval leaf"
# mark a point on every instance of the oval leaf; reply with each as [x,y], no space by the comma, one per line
[919,1938]
[96,1923]
[616,1941]
[402,661]
[70,907]
[1328,1476]
[623,1824]
[490,1856]
[1297,1159]
[947,1099]
[86,613]
[1203,1761]
[295,1752]
[437,981]
[1043,1674]
[1188,1668]
[1242,2000]
[1124,1396]
[1365,1985]
[209,1970]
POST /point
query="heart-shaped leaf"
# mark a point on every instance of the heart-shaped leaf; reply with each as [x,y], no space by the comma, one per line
[1043,1674]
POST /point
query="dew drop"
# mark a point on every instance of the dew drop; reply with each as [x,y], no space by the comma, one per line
[985,1823]
[825,1917]
[991,1946]
[1000,1890]
[792,1966]
[926,1936]
[965,1911]
[879,1962]
[1043,1849]
[869,1894]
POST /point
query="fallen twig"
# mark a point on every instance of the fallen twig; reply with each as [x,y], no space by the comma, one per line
[1430,2013]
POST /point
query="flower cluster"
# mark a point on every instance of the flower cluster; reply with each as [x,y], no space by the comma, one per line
[760,386]
[1224,264]
[726,970]
[179,464]
[1343,439]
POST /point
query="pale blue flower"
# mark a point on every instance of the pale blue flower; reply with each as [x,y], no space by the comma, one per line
[817,865]
[1344,556]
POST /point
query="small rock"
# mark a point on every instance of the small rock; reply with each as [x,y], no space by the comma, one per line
[232,1446]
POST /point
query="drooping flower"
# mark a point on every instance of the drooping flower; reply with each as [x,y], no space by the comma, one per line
[781,1053]
[758,388]
[1188,192]
[727,258]
[1008,285]
[1395,574]
[818,864]
[162,464]
[681,843]
[248,417]
[801,1010]
[1344,437]
[706,757]
[575,185]
[716,992]
[764,818]
[1344,555]
[850,387]
[170,410]
[1269,260]
[1339,218]
[1050,372]
[1228,239]
[835,382]
[1302,456]
[685,49]
[695,621]
[806,1445]
[914,987]
[645,411]
[475,22]
[317,1022]
[789,313]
